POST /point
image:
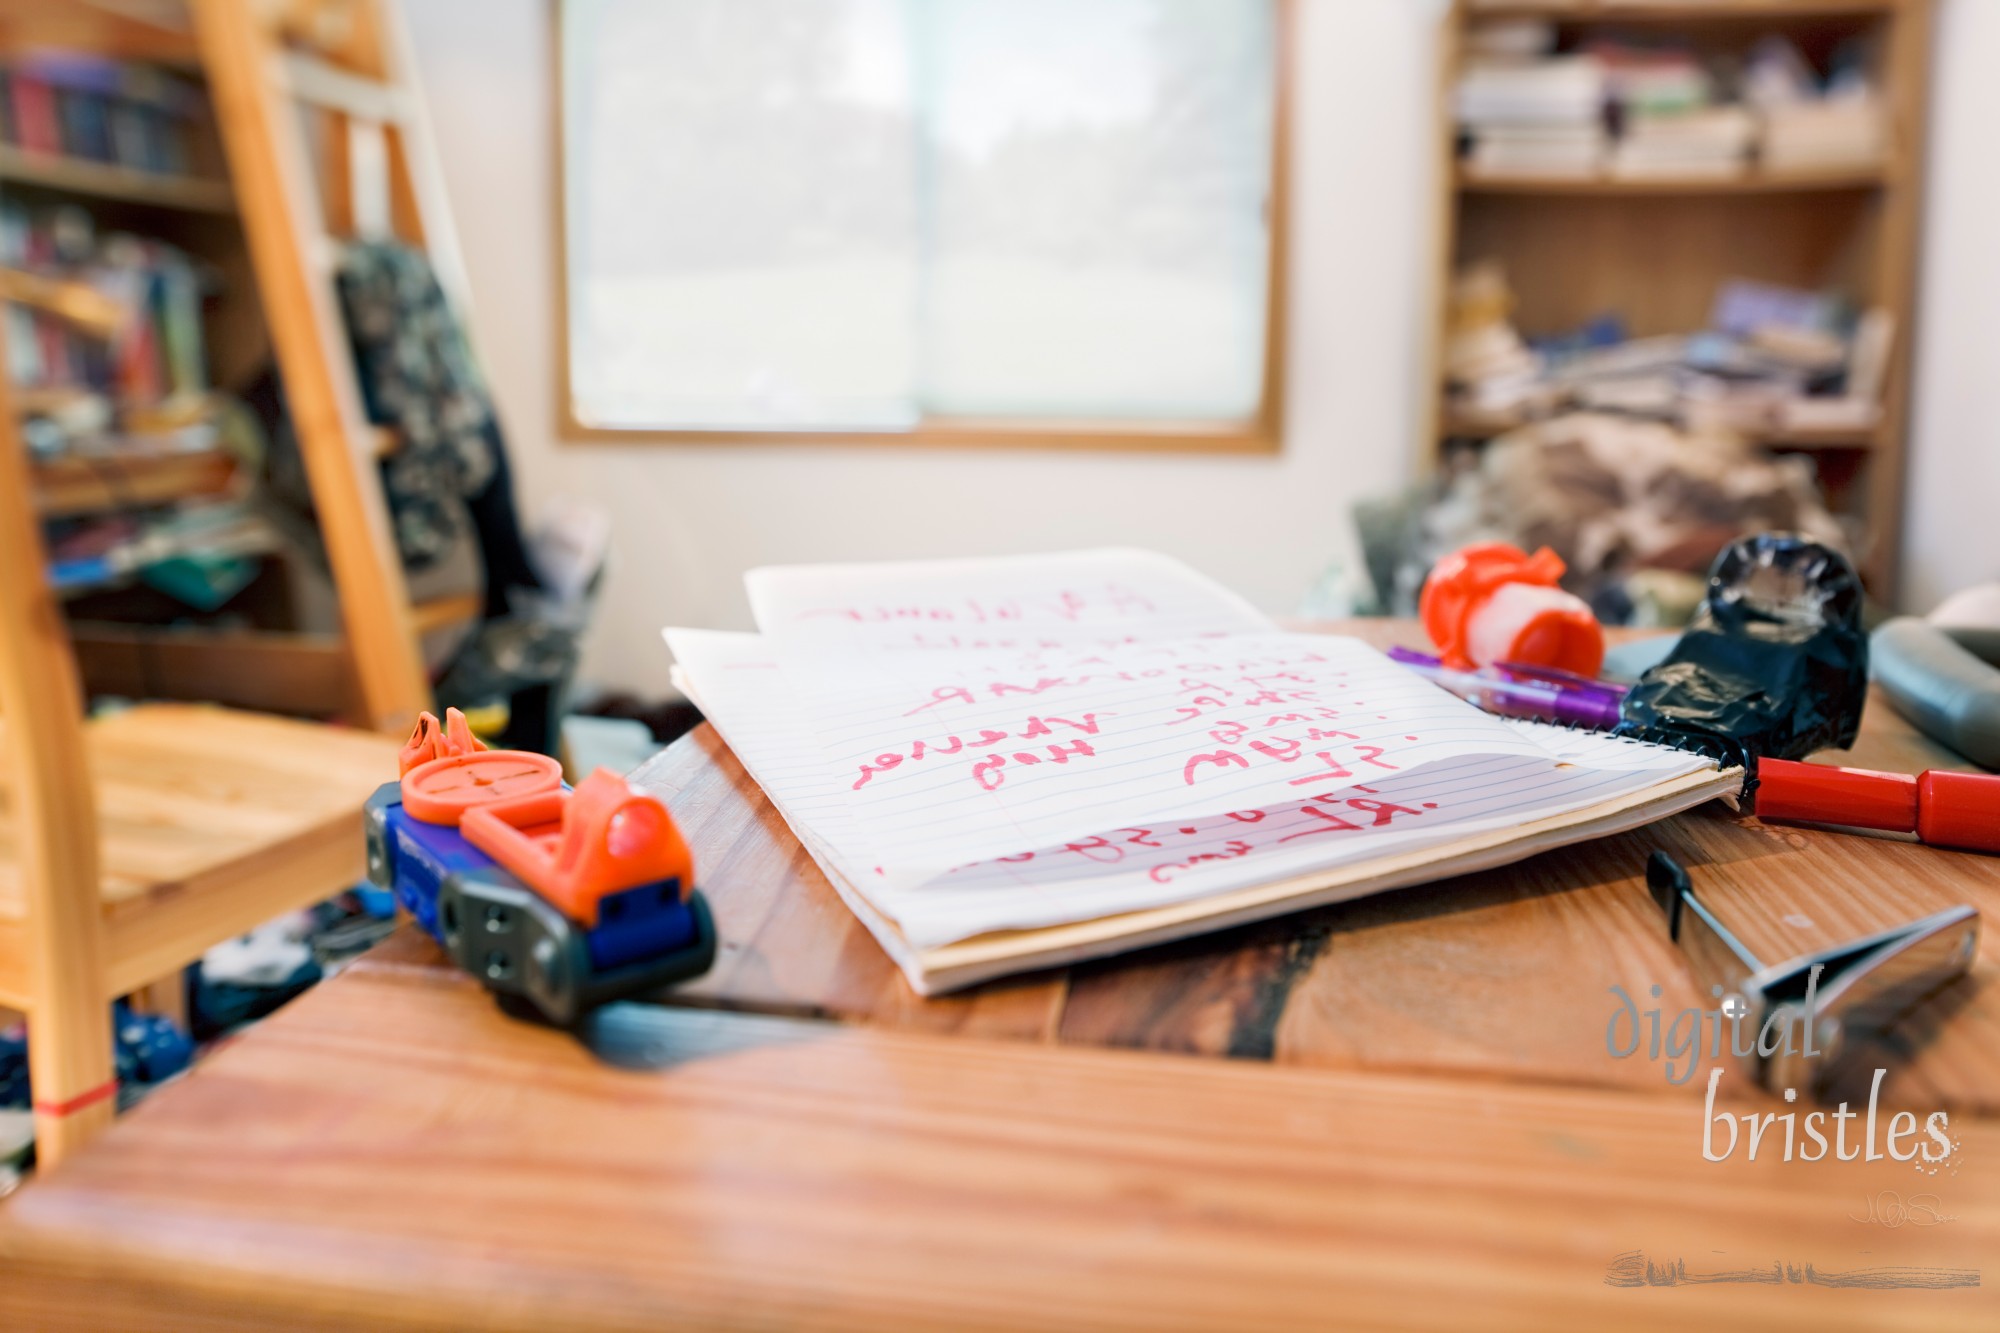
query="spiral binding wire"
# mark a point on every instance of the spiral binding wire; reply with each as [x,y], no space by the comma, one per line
[1726,753]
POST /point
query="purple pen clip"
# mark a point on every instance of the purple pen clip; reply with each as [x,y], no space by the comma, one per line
[1581,708]
[1566,680]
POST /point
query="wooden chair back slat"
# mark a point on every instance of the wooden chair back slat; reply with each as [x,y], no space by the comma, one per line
[51,805]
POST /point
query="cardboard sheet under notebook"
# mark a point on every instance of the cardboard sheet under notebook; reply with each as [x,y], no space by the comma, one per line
[1008,764]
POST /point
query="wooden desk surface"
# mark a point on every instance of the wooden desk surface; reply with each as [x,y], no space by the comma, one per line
[1505,973]
[1427,1133]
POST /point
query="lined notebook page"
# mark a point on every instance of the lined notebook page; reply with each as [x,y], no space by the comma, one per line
[953,756]
[742,683]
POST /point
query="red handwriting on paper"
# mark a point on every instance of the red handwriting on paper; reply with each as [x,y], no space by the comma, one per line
[1229,851]
[1099,849]
[987,772]
[1219,758]
[1002,689]
[1326,821]
[1164,853]
[1115,598]
[1112,601]
[1285,750]
[971,611]
[1035,728]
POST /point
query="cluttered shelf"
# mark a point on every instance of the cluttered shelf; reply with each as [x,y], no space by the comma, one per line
[159,32]
[124,184]
[1738,182]
[1469,424]
[1606,113]
[84,482]
[76,302]
[201,553]
[1677,11]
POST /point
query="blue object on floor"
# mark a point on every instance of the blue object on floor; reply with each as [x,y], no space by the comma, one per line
[378,903]
[147,1049]
[150,1047]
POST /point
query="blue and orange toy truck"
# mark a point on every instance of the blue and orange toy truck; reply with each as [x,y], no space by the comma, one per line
[566,898]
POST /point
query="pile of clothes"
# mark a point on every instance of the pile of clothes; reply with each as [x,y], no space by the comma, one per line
[1637,509]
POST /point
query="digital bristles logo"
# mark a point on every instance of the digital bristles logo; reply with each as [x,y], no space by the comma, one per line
[1789,1030]
[1845,1133]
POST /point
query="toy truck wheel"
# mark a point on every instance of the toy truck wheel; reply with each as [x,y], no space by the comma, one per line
[512,941]
[375,817]
[451,918]
[552,979]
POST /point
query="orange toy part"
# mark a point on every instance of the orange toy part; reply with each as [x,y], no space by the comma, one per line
[442,790]
[1460,587]
[602,838]
[430,741]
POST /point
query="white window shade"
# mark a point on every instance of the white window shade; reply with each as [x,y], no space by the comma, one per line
[806,215]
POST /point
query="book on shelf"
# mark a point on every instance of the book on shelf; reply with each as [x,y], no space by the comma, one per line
[143,342]
[1555,90]
[1500,151]
[210,539]
[107,111]
[1009,764]
[1711,142]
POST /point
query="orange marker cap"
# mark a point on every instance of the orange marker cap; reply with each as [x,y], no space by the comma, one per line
[1551,629]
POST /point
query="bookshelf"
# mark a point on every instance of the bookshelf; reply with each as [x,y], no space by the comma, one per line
[97,180]
[1459,423]
[1750,182]
[73,485]
[1656,249]
[267,648]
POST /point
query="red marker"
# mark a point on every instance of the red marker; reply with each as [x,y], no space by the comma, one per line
[1959,810]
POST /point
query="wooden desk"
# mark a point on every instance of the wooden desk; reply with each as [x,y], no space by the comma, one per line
[1426,1132]
[1505,973]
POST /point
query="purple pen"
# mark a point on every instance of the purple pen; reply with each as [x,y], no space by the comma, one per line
[1537,700]
[1567,680]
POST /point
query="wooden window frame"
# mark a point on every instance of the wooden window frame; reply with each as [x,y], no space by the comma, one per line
[1260,433]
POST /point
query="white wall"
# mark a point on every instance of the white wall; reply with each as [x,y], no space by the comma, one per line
[1951,536]
[689,520]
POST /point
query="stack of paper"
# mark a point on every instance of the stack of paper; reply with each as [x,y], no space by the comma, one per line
[1540,117]
[1711,142]
[1004,764]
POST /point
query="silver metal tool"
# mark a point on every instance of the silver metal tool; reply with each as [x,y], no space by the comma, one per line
[1864,985]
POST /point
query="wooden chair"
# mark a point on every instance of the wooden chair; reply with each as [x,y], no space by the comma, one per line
[132,843]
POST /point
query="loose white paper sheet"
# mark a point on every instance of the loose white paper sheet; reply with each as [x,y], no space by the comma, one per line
[1100,598]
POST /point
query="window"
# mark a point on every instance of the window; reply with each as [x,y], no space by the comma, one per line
[941,220]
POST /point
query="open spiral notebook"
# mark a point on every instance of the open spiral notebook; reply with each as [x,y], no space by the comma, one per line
[1015,763]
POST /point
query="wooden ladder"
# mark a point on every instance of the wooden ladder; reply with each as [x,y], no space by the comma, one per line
[277,70]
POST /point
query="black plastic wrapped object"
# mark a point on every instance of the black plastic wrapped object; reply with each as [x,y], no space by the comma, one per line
[1774,664]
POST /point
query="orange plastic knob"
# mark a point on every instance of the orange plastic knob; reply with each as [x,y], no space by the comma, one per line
[443,789]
